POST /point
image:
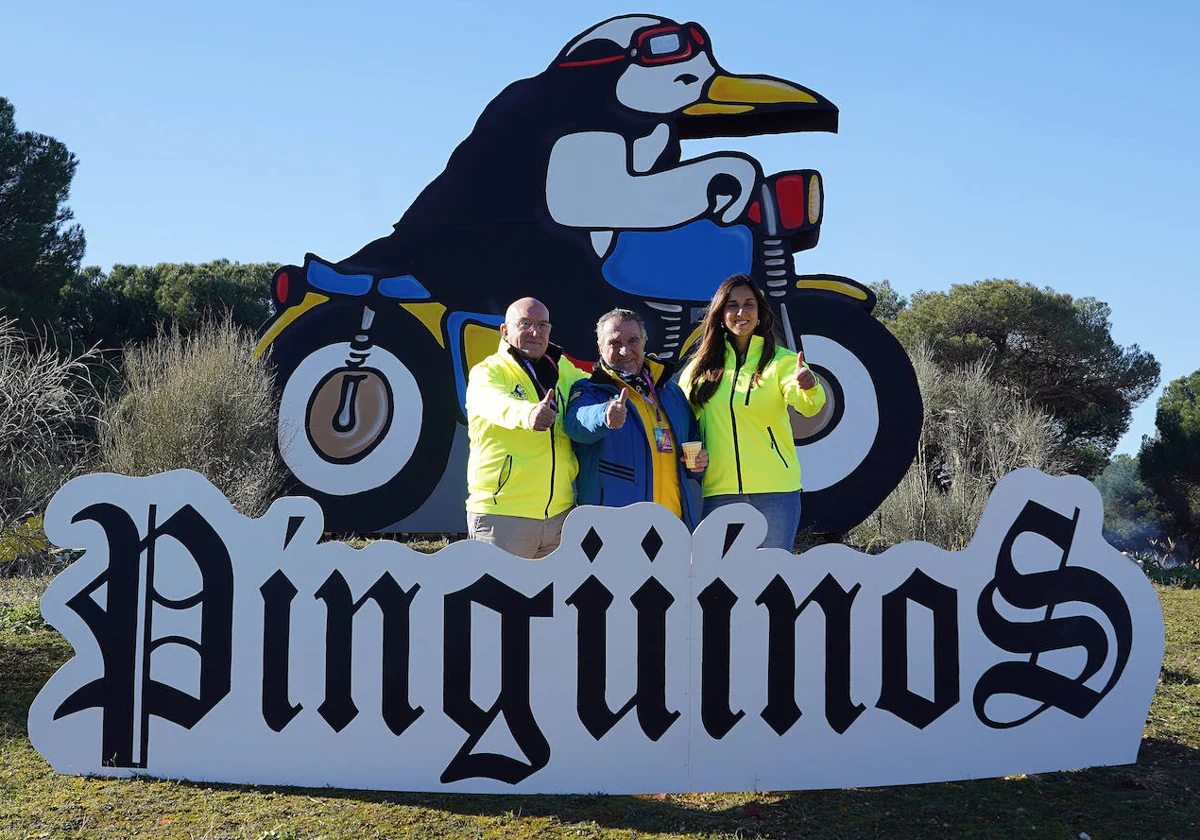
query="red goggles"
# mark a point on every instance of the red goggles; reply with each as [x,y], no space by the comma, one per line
[657,45]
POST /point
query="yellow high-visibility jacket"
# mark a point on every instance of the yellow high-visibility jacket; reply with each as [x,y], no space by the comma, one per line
[513,470]
[746,430]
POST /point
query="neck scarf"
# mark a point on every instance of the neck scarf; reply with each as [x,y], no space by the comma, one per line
[639,381]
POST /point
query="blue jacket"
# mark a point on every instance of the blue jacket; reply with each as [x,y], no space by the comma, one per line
[615,464]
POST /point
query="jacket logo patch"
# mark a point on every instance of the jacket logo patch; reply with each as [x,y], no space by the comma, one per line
[518,391]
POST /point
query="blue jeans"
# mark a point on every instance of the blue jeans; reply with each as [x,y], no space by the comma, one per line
[781,510]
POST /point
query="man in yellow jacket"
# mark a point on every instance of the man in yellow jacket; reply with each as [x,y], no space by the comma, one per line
[521,470]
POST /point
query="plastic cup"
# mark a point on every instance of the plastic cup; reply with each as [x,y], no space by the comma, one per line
[691,448]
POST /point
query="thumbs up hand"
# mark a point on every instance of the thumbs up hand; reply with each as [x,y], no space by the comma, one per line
[614,413]
[804,376]
[543,415]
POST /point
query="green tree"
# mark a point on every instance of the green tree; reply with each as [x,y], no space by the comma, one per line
[1131,518]
[1056,350]
[39,251]
[888,302]
[131,302]
[1170,461]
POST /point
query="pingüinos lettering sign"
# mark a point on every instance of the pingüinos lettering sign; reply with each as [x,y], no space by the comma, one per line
[214,647]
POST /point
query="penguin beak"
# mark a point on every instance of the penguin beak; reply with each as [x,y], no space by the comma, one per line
[739,106]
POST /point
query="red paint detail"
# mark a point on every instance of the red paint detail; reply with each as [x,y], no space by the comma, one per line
[790,194]
[607,60]
[281,287]
[658,30]
[697,35]
[754,213]
[586,367]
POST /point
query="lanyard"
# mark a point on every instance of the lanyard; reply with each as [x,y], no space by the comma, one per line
[652,397]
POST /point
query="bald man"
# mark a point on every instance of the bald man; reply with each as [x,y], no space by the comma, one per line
[521,470]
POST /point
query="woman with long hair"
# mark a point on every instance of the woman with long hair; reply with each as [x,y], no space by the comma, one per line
[740,384]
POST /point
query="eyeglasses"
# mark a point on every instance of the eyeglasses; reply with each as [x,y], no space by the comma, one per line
[656,45]
[525,325]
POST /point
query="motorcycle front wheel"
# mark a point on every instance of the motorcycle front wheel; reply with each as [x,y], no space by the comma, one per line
[364,428]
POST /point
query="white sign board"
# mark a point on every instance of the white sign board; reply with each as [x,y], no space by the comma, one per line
[637,658]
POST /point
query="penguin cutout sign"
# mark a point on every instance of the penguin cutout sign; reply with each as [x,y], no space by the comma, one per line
[573,189]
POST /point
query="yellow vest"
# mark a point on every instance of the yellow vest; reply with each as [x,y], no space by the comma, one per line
[665,470]
[746,430]
[513,470]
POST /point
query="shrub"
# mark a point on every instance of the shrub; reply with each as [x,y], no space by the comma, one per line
[974,432]
[200,402]
[47,404]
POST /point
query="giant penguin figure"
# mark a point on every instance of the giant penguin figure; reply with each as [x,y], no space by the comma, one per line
[559,164]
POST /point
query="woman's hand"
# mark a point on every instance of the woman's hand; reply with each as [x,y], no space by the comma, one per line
[701,461]
[804,376]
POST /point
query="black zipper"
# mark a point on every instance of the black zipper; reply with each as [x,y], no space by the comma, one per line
[553,460]
[737,455]
[775,446]
[503,477]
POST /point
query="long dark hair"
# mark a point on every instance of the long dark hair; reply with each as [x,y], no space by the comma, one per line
[709,355]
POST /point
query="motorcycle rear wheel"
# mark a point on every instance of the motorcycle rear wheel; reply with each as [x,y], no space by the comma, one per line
[862,443]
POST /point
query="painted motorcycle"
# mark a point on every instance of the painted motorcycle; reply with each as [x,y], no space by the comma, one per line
[371,408]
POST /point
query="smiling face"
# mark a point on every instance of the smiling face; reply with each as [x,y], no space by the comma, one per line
[527,328]
[741,313]
[622,345]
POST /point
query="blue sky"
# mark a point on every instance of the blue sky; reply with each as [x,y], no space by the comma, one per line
[1052,142]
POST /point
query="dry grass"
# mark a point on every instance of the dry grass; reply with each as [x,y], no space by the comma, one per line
[198,402]
[47,403]
[974,432]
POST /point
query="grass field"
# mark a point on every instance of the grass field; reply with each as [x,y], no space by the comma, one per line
[1159,797]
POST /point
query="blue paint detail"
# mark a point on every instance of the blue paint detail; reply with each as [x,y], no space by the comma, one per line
[327,279]
[405,287]
[685,263]
[455,322]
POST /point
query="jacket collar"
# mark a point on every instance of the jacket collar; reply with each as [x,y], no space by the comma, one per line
[553,351]
[753,351]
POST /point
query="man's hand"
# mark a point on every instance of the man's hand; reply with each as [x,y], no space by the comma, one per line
[804,376]
[543,415]
[614,412]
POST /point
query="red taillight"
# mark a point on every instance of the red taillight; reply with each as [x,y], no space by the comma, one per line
[281,286]
[790,193]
